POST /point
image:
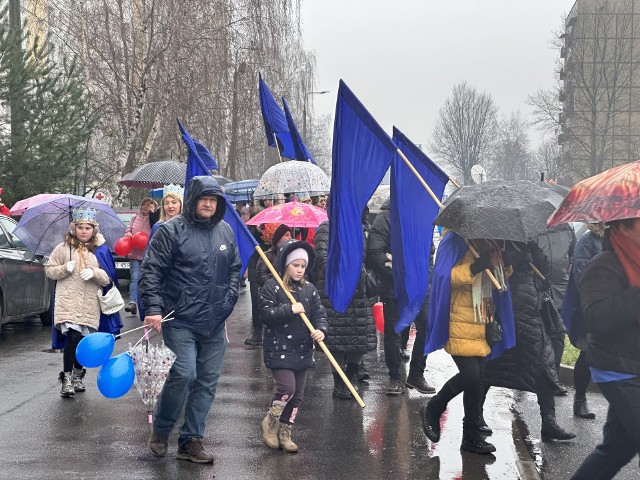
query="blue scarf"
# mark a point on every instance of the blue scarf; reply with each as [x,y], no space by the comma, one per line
[451,250]
[108,323]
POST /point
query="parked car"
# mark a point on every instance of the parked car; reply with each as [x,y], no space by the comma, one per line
[25,290]
[122,263]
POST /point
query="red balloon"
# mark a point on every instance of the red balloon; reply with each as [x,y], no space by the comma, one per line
[123,246]
[140,240]
[378,316]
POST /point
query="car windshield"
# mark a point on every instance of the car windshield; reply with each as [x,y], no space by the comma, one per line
[10,225]
[125,216]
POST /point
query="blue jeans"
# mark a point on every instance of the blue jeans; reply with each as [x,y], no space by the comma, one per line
[134,268]
[193,379]
[621,432]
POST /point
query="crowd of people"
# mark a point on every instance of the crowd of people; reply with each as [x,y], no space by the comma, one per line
[191,267]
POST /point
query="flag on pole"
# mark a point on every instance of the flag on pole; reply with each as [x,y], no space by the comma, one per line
[362,153]
[195,167]
[302,152]
[412,212]
[275,123]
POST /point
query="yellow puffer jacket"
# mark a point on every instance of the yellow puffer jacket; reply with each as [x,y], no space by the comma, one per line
[466,337]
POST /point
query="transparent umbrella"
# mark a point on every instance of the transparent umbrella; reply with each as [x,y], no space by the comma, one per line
[292,177]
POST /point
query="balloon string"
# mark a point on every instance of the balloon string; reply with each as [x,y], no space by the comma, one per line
[146,334]
[165,319]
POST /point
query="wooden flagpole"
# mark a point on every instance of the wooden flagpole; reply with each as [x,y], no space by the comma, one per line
[310,327]
[474,252]
[275,139]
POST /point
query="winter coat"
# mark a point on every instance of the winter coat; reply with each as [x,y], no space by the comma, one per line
[466,336]
[378,246]
[611,307]
[523,366]
[76,300]
[262,271]
[139,223]
[558,244]
[354,330]
[192,266]
[587,247]
[287,342]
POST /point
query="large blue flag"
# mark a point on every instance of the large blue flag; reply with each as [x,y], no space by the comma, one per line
[362,153]
[196,148]
[275,123]
[302,152]
[195,167]
[411,221]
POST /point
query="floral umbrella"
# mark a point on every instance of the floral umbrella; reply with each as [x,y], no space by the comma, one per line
[292,214]
[152,364]
[611,195]
[292,177]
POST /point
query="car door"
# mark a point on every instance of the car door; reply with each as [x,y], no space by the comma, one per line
[13,278]
[34,293]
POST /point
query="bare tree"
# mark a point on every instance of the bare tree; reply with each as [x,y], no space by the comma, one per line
[511,159]
[546,159]
[465,129]
[594,110]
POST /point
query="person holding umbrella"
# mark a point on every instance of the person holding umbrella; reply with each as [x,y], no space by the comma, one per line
[80,265]
[610,294]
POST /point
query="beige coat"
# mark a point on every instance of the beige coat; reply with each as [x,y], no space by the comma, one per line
[76,300]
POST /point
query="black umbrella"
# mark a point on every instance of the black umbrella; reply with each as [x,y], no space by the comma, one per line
[156,174]
[499,210]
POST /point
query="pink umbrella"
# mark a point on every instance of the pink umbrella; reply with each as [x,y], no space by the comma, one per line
[20,206]
[292,214]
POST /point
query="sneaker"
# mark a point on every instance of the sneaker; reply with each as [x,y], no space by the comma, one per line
[420,384]
[157,444]
[394,388]
[194,452]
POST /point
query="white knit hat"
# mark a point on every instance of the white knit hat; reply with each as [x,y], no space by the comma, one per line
[297,254]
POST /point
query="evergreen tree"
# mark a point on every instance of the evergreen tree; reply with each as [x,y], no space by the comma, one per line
[56,123]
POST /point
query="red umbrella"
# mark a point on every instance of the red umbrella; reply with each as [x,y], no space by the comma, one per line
[292,214]
[611,195]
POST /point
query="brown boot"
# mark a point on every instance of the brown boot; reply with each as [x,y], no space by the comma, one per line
[284,436]
[270,425]
[194,452]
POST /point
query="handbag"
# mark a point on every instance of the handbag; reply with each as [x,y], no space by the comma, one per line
[551,318]
[111,302]
[493,332]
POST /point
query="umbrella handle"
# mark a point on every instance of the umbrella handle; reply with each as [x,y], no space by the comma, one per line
[531,265]
[493,279]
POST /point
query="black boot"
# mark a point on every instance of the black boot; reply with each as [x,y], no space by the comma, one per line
[430,418]
[581,410]
[255,339]
[472,441]
[552,431]
[340,389]
[363,374]
[483,428]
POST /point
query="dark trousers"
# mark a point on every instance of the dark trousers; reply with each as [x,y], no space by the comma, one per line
[289,389]
[69,355]
[621,432]
[581,376]
[254,289]
[467,380]
[345,358]
[392,341]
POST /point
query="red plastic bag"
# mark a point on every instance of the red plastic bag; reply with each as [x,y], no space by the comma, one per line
[378,316]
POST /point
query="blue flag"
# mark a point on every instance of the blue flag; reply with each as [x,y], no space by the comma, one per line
[412,212]
[275,123]
[302,152]
[362,153]
[194,147]
[195,167]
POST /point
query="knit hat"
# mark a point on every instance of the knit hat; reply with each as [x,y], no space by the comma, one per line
[288,248]
[273,232]
[297,254]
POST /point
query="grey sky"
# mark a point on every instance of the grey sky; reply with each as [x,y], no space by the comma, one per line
[403,57]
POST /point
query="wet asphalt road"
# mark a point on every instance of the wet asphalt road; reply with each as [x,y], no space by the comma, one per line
[89,436]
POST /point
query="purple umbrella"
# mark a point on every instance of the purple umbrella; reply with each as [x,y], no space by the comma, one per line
[43,226]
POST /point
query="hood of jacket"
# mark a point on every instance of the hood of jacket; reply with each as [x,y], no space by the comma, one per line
[199,187]
[289,246]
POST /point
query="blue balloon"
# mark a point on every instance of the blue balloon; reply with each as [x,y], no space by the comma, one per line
[116,377]
[95,349]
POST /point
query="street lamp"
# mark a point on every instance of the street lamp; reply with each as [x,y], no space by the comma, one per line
[304,111]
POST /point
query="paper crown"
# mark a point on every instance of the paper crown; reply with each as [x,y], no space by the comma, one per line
[85,215]
[173,189]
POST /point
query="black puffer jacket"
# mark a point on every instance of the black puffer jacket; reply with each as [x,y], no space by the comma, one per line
[354,330]
[192,266]
[287,341]
[611,309]
[378,245]
[558,244]
[533,357]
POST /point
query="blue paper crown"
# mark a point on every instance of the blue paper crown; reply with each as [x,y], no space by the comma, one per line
[173,189]
[85,215]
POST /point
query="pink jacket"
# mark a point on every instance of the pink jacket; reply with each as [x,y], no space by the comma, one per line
[139,223]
